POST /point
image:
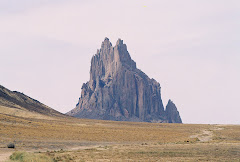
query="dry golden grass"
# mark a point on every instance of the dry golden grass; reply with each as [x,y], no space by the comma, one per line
[15,128]
[153,152]
[95,140]
[22,112]
[229,133]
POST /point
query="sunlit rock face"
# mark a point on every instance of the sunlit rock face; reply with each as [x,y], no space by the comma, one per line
[117,90]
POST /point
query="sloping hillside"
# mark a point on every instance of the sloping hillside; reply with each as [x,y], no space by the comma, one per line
[18,104]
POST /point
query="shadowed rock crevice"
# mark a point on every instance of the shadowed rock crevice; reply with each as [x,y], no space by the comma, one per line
[117,90]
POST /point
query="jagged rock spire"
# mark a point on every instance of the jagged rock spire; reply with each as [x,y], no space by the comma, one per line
[117,90]
[108,59]
[172,113]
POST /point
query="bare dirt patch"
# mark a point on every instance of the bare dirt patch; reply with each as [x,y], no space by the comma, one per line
[206,135]
[5,154]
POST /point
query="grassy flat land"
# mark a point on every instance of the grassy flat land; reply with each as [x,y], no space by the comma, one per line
[70,139]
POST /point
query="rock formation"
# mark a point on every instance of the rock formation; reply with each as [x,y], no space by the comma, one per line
[172,113]
[117,90]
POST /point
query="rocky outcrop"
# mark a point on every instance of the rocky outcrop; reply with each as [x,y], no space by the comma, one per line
[172,113]
[117,90]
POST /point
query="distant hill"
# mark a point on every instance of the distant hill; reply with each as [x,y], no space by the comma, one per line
[18,104]
[118,90]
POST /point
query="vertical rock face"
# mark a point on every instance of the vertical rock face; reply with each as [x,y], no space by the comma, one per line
[117,90]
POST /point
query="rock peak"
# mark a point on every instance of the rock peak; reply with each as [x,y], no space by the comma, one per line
[119,42]
[106,39]
[172,113]
[109,60]
[106,43]
[170,101]
[117,90]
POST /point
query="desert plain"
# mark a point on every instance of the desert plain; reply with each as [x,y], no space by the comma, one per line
[39,137]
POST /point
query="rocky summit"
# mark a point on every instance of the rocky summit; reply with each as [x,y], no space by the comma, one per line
[118,90]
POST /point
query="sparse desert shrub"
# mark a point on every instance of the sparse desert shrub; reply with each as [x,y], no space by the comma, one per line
[11,145]
[17,156]
[191,140]
[26,156]
[61,151]
[144,144]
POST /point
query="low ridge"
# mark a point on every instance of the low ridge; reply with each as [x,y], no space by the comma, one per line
[13,100]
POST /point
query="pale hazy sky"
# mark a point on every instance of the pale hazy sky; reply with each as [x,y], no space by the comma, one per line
[191,47]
